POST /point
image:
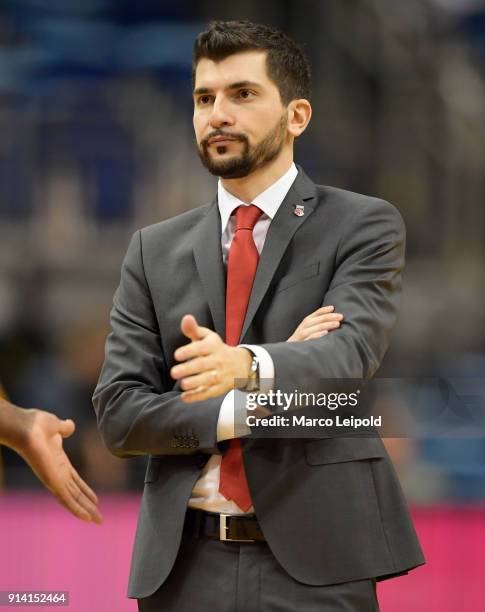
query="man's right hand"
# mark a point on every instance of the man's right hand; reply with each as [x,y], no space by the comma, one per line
[317,324]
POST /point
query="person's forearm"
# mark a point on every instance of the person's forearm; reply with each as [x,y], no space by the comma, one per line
[13,430]
[135,421]
[139,410]
[366,287]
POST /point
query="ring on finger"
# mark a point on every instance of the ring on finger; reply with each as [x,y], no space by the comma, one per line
[198,389]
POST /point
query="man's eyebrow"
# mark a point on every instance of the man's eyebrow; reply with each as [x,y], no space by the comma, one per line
[238,85]
[241,84]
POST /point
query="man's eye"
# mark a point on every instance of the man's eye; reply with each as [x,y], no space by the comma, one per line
[245,93]
[204,100]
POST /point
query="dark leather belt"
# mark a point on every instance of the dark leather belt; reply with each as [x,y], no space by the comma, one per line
[224,527]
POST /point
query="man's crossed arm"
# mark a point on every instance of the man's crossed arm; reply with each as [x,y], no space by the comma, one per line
[139,412]
[210,366]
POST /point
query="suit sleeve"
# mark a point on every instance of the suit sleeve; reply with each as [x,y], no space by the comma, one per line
[138,410]
[365,288]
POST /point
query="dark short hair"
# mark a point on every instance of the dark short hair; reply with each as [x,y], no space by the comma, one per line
[286,63]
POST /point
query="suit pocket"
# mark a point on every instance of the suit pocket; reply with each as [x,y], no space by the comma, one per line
[299,275]
[340,450]
[153,469]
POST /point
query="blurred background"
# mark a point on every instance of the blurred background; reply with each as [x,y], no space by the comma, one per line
[96,132]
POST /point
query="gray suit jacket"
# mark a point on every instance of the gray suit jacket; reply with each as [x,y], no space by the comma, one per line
[331,508]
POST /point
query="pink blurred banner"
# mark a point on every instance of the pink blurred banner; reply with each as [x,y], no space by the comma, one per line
[44,548]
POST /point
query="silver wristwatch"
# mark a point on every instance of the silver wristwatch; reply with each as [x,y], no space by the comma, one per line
[253,377]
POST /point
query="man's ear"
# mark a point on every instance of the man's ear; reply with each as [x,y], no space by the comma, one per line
[299,115]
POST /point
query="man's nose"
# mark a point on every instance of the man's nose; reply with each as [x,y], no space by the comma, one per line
[220,116]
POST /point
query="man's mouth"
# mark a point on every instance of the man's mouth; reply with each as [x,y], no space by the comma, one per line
[221,141]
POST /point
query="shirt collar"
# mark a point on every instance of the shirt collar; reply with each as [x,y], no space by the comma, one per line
[268,200]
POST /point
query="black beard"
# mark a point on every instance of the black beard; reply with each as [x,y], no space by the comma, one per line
[250,159]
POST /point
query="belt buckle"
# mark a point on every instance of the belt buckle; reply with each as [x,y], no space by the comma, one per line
[224,528]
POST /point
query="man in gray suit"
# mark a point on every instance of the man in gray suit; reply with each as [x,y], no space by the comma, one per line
[207,302]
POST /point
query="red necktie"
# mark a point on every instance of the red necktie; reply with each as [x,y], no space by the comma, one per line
[241,270]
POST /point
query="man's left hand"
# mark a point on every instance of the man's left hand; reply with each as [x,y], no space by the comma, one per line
[211,367]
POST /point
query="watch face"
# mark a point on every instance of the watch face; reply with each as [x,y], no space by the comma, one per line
[254,366]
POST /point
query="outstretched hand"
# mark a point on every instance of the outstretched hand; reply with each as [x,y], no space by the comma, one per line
[41,448]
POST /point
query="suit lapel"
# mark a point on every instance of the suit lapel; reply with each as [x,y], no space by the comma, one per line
[208,258]
[280,233]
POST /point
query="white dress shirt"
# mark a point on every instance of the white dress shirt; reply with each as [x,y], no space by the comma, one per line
[205,494]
